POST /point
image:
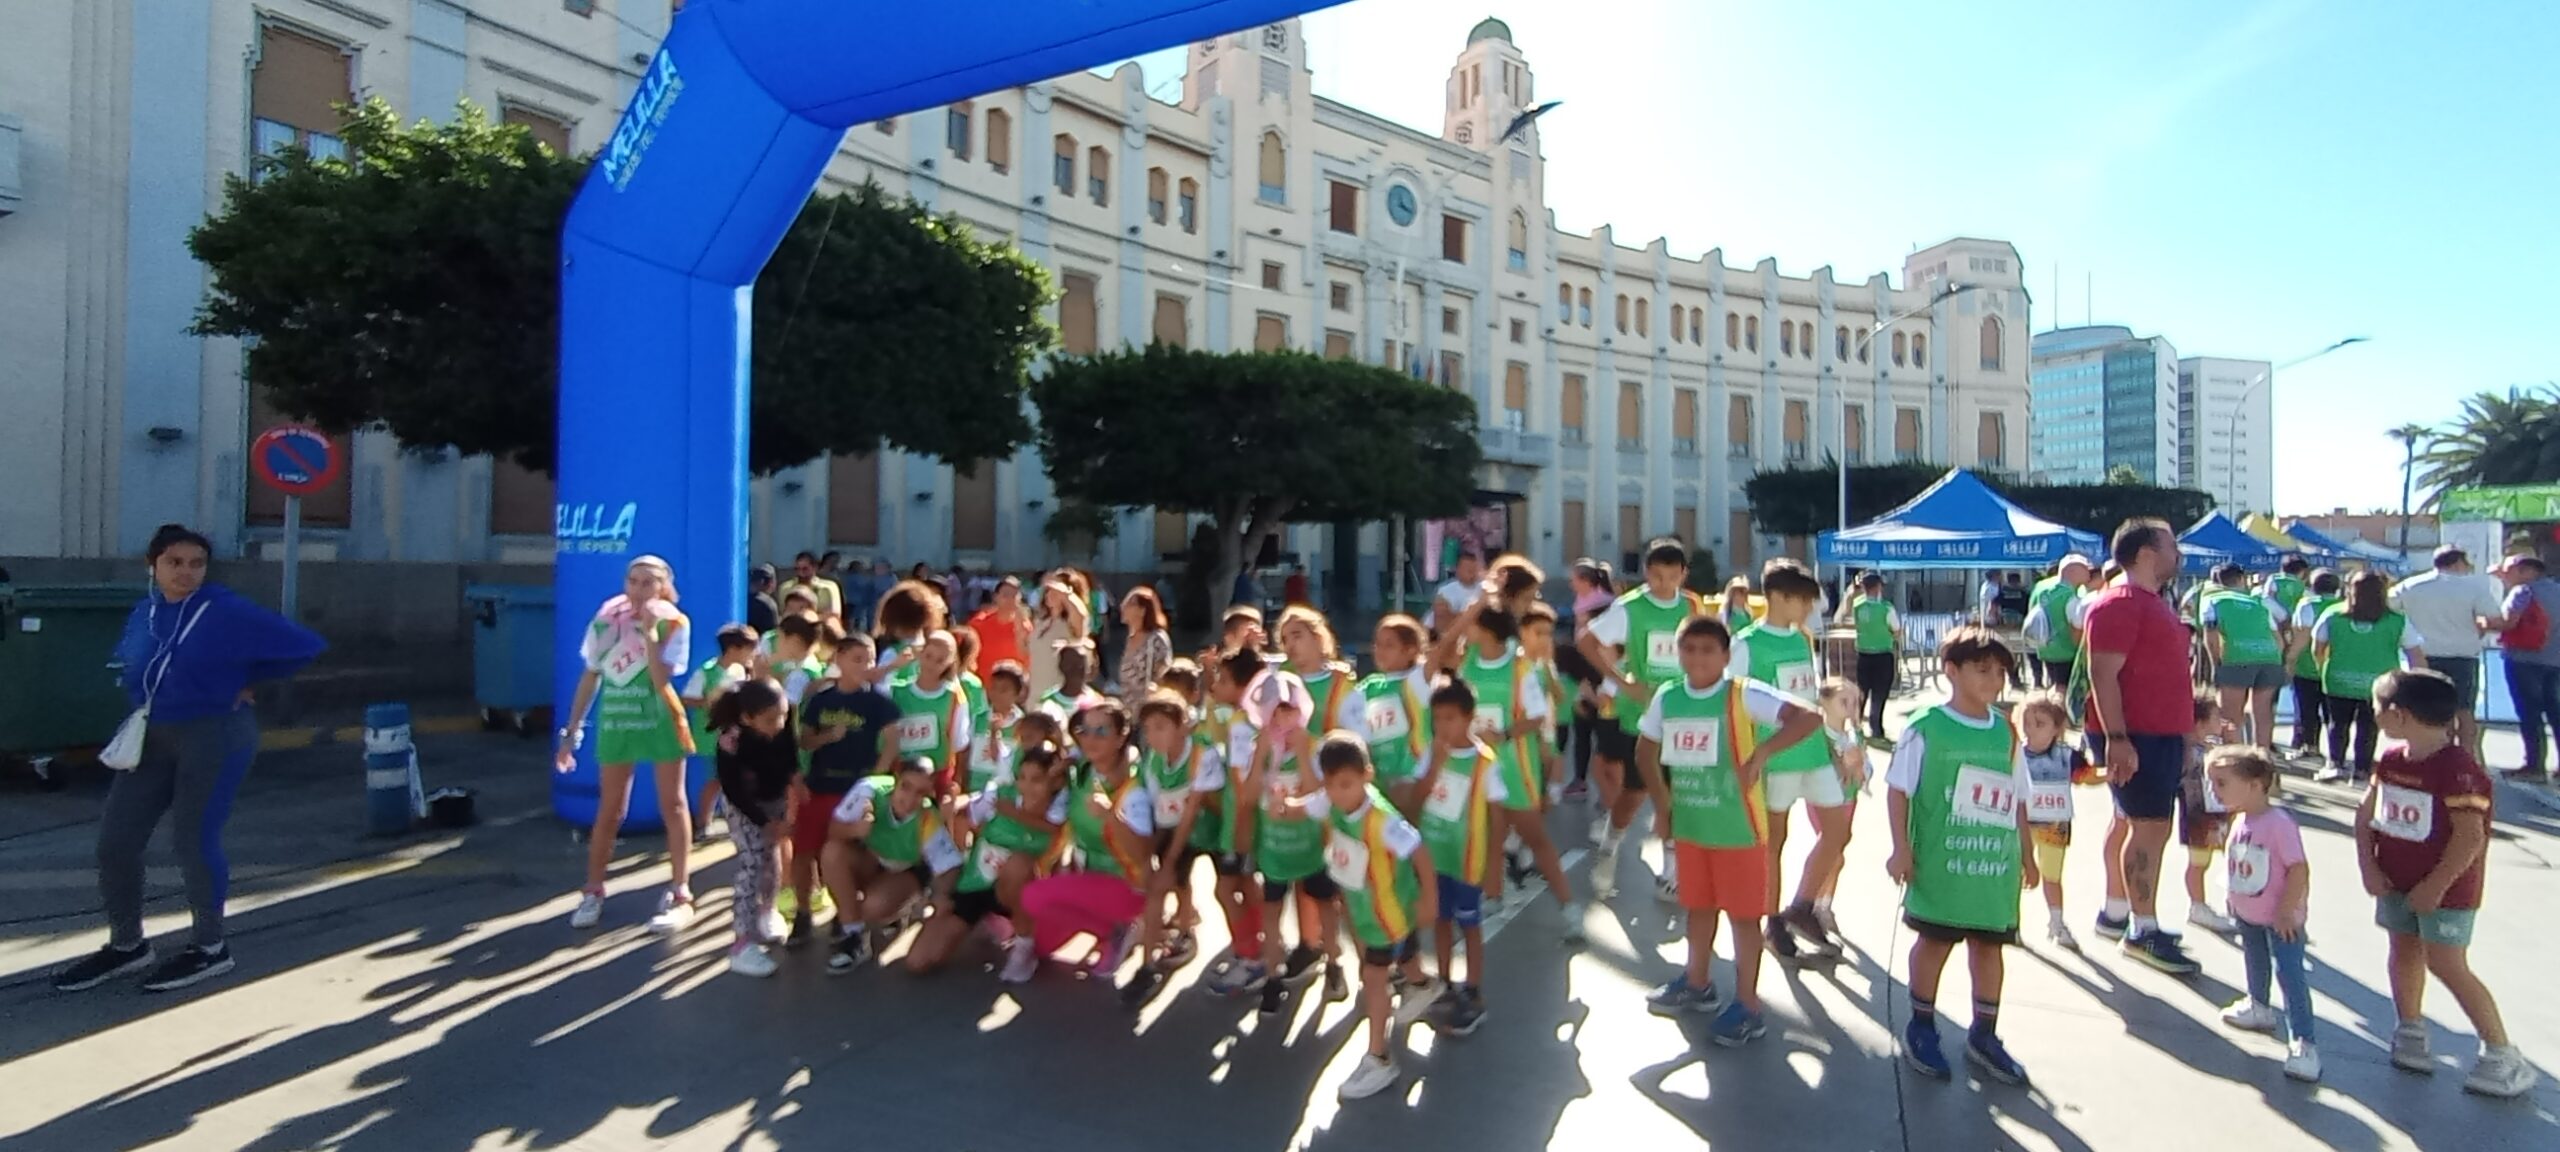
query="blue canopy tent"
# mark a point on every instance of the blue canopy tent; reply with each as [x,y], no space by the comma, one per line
[2342,549]
[2217,540]
[1958,522]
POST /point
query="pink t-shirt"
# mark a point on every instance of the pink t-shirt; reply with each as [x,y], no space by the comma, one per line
[2262,849]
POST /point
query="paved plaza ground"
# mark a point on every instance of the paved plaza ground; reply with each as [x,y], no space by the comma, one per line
[428,994]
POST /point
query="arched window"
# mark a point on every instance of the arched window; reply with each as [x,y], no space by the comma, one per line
[1697,326]
[1990,343]
[1097,176]
[1157,185]
[1644,316]
[1919,350]
[999,140]
[1864,351]
[1583,302]
[1840,342]
[1786,337]
[1064,165]
[1751,333]
[1733,330]
[956,129]
[1901,349]
[1519,252]
[1622,313]
[1677,336]
[1187,204]
[1275,169]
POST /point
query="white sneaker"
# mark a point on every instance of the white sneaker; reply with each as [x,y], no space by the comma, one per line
[2251,1016]
[1666,887]
[2302,1061]
[1415,1001]
[2211,921]
[1604,872]
[752,960]
[1574,933]
[1600,828]
[773,928]
[673,914]
[590,910]
[2501,1072]
[1019,962]
[1376,1074]
[2062,937]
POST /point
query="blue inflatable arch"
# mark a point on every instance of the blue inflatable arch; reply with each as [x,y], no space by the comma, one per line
[724,138]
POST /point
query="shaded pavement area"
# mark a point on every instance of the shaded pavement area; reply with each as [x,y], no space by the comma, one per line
[427,993]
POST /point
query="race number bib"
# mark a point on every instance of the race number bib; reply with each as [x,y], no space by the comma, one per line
[1346,859]
[1448,799]
[1662,653]
[2404,813]
[1692,742]
[1985,796]
[919,733]
[991,858]
[1168,807]
[1386,720]
[1275,796]
[1491,721]
[940,854]
[628,659]
[2049,803]
[2248,869]
[1799,681]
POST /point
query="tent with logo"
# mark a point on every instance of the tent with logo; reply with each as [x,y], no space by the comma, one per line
[1958,522]
[2217,540]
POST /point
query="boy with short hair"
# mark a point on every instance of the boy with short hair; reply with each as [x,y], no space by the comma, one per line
[1960,847]
[2422,836]
[1635,647]
[1461,790]
[1699,746]
[1074,689]
[1388,889]
[1778,651]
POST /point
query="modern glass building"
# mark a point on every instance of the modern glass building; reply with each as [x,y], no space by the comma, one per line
[2100,397]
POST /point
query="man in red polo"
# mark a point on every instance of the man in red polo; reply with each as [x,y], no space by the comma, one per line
[1003,626]
[2139,711]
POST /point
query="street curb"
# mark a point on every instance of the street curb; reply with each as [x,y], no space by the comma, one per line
[289,739]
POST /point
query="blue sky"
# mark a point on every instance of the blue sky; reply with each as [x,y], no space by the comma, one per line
[2252,180]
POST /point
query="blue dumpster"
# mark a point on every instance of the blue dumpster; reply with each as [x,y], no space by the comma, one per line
[511,654]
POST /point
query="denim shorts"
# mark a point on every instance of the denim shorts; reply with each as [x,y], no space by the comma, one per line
[1460,902]
[2442,926]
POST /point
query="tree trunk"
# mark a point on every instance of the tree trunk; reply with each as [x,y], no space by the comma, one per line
[1241,528]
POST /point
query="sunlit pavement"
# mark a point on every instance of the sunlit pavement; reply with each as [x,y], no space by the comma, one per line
[433,996]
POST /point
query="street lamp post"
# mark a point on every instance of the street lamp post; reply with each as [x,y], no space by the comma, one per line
[2231,433]
[1950,292]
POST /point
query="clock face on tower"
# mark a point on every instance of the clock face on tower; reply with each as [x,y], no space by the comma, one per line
[1400,205]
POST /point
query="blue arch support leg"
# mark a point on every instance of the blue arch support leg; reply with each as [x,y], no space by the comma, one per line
[725,136]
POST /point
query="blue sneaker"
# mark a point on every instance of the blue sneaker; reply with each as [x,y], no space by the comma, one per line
[2160,950]
[1737,1026]
[1920,1049]
[1677,998]
[2113,927]
[1989,1055]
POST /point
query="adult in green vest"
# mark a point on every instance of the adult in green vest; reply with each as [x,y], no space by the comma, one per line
[1779,651]
[2356,642]
[1879,648]
[2289,585]
[1635,646]
[2310,707]
[2054,638]
[2243,632]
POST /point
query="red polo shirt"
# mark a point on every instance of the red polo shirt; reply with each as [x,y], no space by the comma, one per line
[998,640]
[2145,628]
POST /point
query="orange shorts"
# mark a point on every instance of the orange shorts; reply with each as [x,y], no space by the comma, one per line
[1734,881]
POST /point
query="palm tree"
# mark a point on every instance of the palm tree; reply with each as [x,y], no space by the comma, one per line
[2408,435]
[2512,438]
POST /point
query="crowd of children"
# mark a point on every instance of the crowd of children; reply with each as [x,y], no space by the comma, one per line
[887,776]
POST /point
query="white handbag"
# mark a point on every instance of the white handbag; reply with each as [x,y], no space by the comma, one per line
[124,752]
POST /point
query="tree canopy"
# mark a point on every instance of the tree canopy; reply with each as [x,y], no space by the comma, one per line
[1254,440]
[415,284]
[2499,438]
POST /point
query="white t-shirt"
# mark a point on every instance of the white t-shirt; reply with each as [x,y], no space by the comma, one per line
[1454,597]
[2410,640]
[1611,626]
[1902,773]
[982,807]
[2447,606]
[1765,704]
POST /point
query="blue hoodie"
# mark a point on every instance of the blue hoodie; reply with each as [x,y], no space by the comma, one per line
[234,644]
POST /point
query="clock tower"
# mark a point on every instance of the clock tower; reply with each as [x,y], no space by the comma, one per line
[1488,89]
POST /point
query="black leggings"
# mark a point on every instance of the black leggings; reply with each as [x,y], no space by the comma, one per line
[1876,673]
[2310,708]
[1585,733]
[2347,712]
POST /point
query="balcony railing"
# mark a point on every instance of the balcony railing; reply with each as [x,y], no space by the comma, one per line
[1508,446]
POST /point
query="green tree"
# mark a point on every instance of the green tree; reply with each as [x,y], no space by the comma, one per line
[1253,440]
[2510,438]
[415,284]
[2124,475]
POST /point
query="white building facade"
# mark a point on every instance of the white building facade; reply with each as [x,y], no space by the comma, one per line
[1624,392]
[2226,430]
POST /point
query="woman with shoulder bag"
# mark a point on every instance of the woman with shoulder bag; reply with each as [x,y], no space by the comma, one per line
[190,652]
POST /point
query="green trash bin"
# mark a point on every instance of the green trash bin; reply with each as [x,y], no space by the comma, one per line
[57,657]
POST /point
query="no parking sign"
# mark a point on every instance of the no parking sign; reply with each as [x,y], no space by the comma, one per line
[295,459]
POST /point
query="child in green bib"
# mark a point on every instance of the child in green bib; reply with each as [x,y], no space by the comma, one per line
[1511,709]
[1389,889]
[887,850]
[1182,778]
[1395,710]
[933,710]
[991,754]
[1634,645]
[2310,705]
[632,651]
[1288,847]
[1007,836]
[1700,747]
[1955,791]
[1538,644]
[1461,793]
[1779,651]
[737,651]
